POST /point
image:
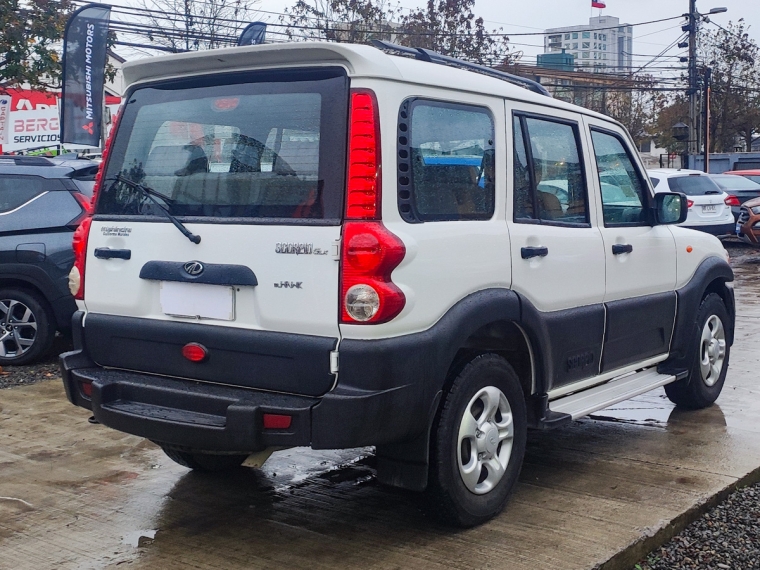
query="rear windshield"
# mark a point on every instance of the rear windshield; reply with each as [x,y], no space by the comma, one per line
[693,185]
[253,146]
[732,182]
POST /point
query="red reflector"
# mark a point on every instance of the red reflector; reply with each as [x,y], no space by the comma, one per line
[86,389]
[195,352]
[277,421]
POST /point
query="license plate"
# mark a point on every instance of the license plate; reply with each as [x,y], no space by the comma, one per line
[197,300]
[709,209]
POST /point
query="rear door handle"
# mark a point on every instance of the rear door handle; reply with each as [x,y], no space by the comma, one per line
[620,248]
[108,253]
[534,251]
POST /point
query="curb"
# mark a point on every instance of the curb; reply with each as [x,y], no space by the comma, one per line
[638,549]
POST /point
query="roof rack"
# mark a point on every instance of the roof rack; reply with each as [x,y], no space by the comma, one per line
[430,56]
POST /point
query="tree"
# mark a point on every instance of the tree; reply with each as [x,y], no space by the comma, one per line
[637,108]
[735,100]
[30,36]
[672,112]
[351,21]
[182,25]
[451,28]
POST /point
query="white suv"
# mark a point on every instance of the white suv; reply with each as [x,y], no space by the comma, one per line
[709,205]
[328,245]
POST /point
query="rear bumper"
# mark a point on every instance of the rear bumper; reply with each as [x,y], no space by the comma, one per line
[370,405]
[716,230]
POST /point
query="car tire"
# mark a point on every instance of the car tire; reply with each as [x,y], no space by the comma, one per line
[26,327]
[204,461]
[709,358]
[471,473]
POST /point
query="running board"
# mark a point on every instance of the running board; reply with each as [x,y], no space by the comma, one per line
[599,397]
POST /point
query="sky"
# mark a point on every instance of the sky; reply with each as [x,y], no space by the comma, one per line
[526,16]
[530,16]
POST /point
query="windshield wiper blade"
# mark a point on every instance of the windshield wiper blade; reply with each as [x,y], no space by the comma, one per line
[152,194]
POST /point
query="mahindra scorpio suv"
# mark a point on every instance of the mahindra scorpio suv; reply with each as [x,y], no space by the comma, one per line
[336,246]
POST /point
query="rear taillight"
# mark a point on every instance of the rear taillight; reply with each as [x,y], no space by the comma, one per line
[85,204]
[363,184]
[689,203]
[104,158]
[732,201]
[76,275]
[370,252]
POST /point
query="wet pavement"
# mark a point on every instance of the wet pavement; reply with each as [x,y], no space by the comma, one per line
[600,493]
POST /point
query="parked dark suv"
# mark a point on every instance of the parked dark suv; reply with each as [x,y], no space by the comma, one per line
[42,201]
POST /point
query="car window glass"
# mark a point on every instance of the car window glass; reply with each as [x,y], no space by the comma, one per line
[556,191]
[693,185]
[452,157]
[16,191]
[655,181]
[731,182]
[623,192]
[261,146]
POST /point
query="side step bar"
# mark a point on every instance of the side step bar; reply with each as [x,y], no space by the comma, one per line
[599,397]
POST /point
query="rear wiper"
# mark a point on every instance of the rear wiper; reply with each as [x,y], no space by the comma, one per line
[151,195]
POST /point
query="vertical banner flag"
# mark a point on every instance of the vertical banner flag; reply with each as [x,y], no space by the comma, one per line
[253,34]
[85,43]
[5,110]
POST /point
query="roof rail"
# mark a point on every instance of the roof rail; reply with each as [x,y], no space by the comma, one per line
[27,160]
[430,56]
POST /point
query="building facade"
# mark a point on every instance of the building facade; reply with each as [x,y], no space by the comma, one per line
[603,45]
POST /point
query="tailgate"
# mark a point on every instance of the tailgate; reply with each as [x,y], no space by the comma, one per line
[254,164]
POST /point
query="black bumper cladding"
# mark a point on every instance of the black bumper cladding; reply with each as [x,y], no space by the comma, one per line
[187,413]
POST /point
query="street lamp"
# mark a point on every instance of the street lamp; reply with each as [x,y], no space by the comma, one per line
[680,131]
[718,10]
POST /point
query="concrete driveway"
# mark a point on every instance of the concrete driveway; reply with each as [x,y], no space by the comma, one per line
[599,493]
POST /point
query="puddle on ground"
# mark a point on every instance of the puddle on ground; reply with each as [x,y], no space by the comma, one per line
[651,409]
[139,538]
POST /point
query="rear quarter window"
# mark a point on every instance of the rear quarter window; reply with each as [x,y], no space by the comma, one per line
[15,191]
[446,161]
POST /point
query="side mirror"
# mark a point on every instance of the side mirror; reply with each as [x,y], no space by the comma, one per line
[670,208]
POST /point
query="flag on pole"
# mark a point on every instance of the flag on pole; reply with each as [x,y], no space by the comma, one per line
[85,43]
[253,34]
[595,4]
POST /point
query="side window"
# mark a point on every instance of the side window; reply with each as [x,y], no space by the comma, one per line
[623,192]
[549,184]
[16,191]
[446,162]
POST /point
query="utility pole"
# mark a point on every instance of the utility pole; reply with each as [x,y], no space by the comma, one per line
[693,15]
[706,127]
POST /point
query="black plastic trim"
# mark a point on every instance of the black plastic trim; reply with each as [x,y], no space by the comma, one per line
[265,360]
[712,273]
[212,274]
[108,253]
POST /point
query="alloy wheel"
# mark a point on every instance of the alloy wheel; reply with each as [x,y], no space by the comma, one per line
[712,350]
[18,328]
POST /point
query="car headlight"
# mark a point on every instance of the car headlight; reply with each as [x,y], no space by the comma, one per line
[756,210]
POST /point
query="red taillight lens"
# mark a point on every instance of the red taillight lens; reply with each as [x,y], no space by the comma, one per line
[363,184]
[79,244]
[732,201]
[370,254]
[277,421]
[104,158]
[195,352]
[86,388]
[689,203]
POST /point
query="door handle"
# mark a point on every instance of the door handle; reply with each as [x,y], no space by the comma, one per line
[534,251]
[620,248]
[108,253]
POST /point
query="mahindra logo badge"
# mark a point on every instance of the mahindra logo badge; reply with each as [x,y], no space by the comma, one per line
[193,268]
